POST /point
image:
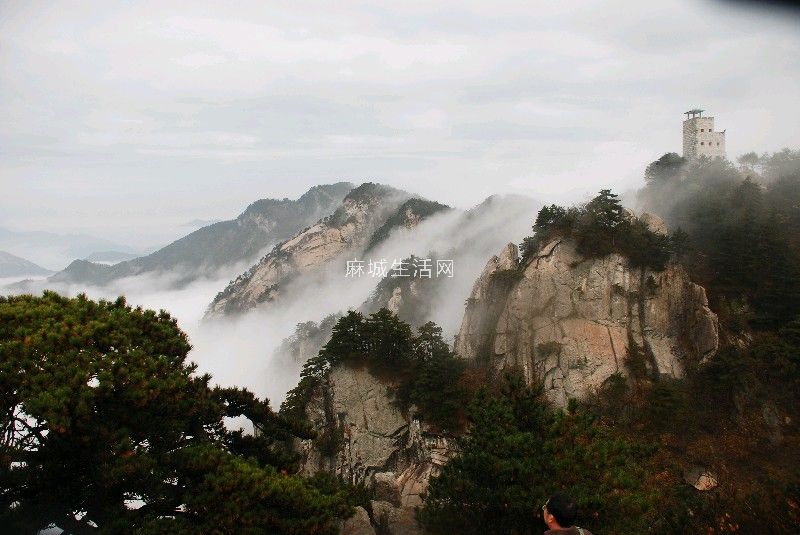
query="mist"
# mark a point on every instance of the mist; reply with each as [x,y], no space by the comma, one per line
[470,239]
[240,350]
[233,351]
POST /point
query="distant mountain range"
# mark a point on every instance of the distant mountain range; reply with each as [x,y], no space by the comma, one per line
[277,244]
[226,243]
[14,266]
[110,257]
[53,250]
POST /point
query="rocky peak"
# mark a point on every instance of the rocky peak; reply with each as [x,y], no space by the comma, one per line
[345,232]
[570,321]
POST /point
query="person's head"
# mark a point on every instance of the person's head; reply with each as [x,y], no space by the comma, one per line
[560,511]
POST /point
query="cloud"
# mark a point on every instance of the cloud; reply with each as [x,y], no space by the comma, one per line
[110,106]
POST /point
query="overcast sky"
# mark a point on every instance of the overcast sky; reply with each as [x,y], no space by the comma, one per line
[128,119]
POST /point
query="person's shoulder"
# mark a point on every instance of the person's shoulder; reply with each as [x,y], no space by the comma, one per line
[574,530]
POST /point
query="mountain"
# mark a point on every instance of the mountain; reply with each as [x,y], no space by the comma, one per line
[14,266]
[110,257]
[55,250]
[572,321]
[346,231]
[199,223]
[226,243]
[558,316]
[407,216]
[465,237]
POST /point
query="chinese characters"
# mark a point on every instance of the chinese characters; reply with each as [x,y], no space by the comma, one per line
[423,268]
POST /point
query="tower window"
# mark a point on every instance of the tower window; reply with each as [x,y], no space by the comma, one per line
[702,143]
[717,143]
[702,130]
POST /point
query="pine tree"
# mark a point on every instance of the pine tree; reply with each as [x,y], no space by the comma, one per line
[519,451]
[100,407]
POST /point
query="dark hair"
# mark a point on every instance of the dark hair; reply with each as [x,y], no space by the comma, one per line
[563,508]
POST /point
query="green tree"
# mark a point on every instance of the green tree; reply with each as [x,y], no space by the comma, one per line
[100,408]
[347,339]
[519,451]
[606,210]
[600,225]
[749,160]
[599,228]
[666,168]
[428,343]
[645,248]
[387,341]
[435,387]
[550,218]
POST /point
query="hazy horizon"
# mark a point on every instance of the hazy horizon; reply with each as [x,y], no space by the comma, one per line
[128,121]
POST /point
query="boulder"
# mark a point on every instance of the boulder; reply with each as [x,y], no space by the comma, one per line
[358,524]
[654,223]
[395,520]
[700,478]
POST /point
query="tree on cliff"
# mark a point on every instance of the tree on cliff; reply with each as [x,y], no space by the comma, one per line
[424,371]
[668,167]
[107,429]
[742,230]
[598,228]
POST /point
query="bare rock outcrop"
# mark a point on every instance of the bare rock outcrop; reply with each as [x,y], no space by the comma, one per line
[368,440]
[570,321]
[654,223]
[346,232]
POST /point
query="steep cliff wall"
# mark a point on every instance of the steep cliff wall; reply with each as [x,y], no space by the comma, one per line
[364,438]
[570,321]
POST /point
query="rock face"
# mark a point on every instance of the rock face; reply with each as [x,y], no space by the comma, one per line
[570,321]
[346,232]
[368,440]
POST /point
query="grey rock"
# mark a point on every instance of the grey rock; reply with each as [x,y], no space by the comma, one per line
[568,321]
[654,223]
[395,520]
[385,488]
[393,455]
[700,478]
[358,524]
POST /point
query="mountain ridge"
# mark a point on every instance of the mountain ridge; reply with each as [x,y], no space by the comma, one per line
[205,250]
[15,266]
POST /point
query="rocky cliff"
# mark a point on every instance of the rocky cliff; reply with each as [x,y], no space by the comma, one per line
[364,438]
[344,233]
[571,321]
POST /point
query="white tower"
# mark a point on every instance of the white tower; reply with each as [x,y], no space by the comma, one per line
[699,138]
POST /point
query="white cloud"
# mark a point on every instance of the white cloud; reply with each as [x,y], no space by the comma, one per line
[112,104]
